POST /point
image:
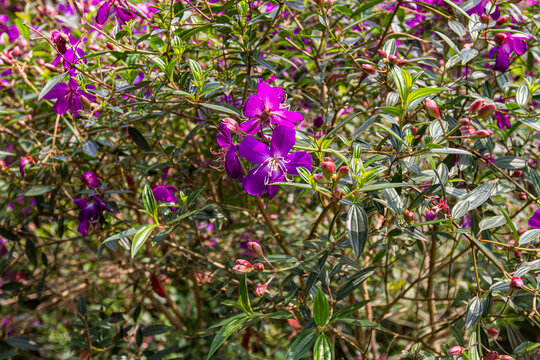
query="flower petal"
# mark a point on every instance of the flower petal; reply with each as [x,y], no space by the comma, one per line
[251,126]
[83,227]
[283,139]
[59,90]
[103,13]
[254,107]
[254,183]
[268,96]
[273,189]
[253,150]
[61,105]
[232,164]
[534,221]
[502,62]
[520,46]
[298,159]
[291,116]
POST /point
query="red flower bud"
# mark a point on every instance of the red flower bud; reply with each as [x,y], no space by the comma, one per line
[516,283]
[481,134]
[455,350]
[259,267]
[403,62]
[517,173]
[486,111]
[499,37]
[492,355]
[414,130]
[521,231]
[382,54]
[156,285]
[432,108]
[518,254]
[476,104]
[408,215]
[328,167]
[522,196]
[343,171]
[368,68]
[261,289]
[393,59]
[484,19]
[502,20]
[320,179]
[244,263]
[255,248]
[445,209]
[241,269]
[492,332]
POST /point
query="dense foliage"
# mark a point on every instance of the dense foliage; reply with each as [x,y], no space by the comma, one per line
[269,179]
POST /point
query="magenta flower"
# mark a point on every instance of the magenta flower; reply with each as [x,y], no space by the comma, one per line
[91,179]
[68,97]
[266,107]
[228,155]
[276,162]
[24,160]
[512,43]
[165,193]
[480,7]
[91,211]
[534,221]
[123,13]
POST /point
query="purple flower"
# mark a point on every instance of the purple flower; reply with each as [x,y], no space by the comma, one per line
[165,193]
[479,9]
[228,156]
[534,221]
[91,179]
[276,162]
[123,14]
[512,43]
[265,108]
[68,97]
[503,120]
[24,161]
[91,211]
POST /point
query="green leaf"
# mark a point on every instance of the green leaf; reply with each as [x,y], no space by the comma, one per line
[529,236]
[296,5]
[321,309]
[223,108]
[523,94]
[140,238]
[354,281]
[301,345]
[323,349]
[226,330]
[149,201]
[400,83]
[449,42]
[474,312]
[138,139]
[360,322]
[123,234]
[153,330]
[418,93]
[473,200]
[50,85]
[346,311]
[22,342]
[492,222]
[358,229]
[510,162]
[243,299]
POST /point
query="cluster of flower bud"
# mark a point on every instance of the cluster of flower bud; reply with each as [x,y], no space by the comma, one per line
[392,59]
[480,110]
[329,168]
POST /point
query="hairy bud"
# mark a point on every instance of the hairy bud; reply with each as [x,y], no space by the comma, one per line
[432,108]
[402,62]
[368,68]
[455,350]
[255,248]
[486,111]
[261,289]
[516,283]
[476,104]
[393,59]
[502,20]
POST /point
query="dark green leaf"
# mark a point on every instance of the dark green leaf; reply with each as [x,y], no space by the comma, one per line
[138,139]
[358,228]
[321,309]
[323,349]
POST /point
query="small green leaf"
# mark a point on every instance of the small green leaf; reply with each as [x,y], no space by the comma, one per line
[492,222]
[474,312]
[358,229]
[150,203]
[140,238]
[50,85]
[243,299]
[529,236]
[301,345]
[226,330]
[323,349]
[321,309]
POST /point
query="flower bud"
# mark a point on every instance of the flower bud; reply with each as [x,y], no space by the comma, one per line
[521,231]
[318,121]
[338,194]
[382,54]
[320,179]
[481,134]
[261,289]
[231,124]
[492,355]
[156,285]
[445,209]
[518,254]
[455,350]
[328,167]
[241,269]
[259,267]
[517,173]
[393,59]
[408,215]
[255,248]
[533,163]
[499,38]
[486,111]
[522,196]
[402,62]
[244,263]
[492,332]
[368,68]
[432,108]
[414,130]
[502,20]
[467,130]
[476,104]
[484,19]
[516,283]
[506,357]
[342,172]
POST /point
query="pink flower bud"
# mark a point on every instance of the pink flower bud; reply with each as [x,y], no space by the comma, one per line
[432,108]
[484,19]
[467,130]
[492,332]
[241,269]
[455,350]
[477,104]
[382,54]
[259,267]
[320,179]
[492,355]
[368,68]
[414,130]
[328,167]
[244,263]
[506,357]
[255,248]
[231,124]
[502,20]
[481,134]
[393,59]
[518,254]
[402,62]
[522,196]
[343,171]
[499,38]
[521,231]
[261,289]
[486,111]
[408,215]
[464,121]
[445,209]
[338,194]
[516,283]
